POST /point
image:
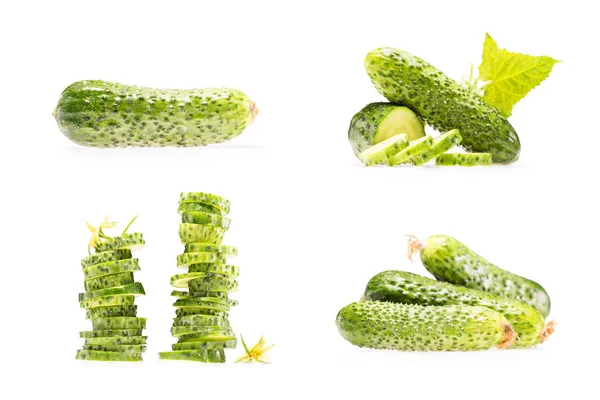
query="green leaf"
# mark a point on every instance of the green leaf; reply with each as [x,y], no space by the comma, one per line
[510,76]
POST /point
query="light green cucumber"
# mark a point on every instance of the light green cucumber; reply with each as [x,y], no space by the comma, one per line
[94,355]
[182,330]
[105,114]
[410,327]
[416,147]
[225,251]
[111,268]
[204,218]
[190,233]
[379,153]
[220,269]
[377,122]
[118,323]
[451,261]
[110,333]
[440,145]
[200,320]
[182,280]
[116,340]
[229,344]
[106,301]
[214,355]
[213,283]
[193,303]
[135,288]
[111,311]
[121,348]
[207,198]
[108,281]
[214,336]
[186,259]
[218,300]
[464,160]
[199,207]
[127,241]
[104,257]
[181,294]
[214,309]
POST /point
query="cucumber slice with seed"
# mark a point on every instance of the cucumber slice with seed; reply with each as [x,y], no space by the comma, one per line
[104,257]
[93,355]
[110,333]
[108,281]
[111,268]
[207,198]
[118,323]
[229,344]
[217,300]
[200,320]
[135,288]
[464,160]
[120,348]
[379,153]
[190,233]
[117,300]
[192,303]
[202,218]
[182,280]
[129,241]
[181,330]
[116,340]
[200,207]
[441,144]
[227,251]
[220,269]
[213,283]
[187,259]
[185,311]
[113,311]
[215,336]
[200,355]
[182,294]
[415,147]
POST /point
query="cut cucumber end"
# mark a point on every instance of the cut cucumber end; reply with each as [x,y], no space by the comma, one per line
[400,120]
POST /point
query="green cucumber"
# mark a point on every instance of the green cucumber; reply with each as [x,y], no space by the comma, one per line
[379,153]
[116,300]
[214,336]
[111,311]
[110,333]
[207,198]
[108,281]
[229,344]
[464,160]
[220,269]
[220,295]
[440,145]
[410,327]
[135,288]
[200,320]
[104,257]
[182,280]
[212,309]
[219,300]
[444,104]
[216,355]
[213,283]
[201,207]
[106,114]
[186,259]
[193,303]
[94,355]
[203,218]
[451,261]
[190,233]
[116,340]
[407,288]
[120,348]
[127,241]
[118,323]
[181,330]
[377,122]
[225,251]
[416,147]
[111,268]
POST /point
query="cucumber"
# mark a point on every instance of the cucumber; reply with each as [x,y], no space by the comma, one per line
[104,257]
[226,251]
[221,269]
[444,104]
[116,340]
[181,330]
[108,281]
[201,207]
[200,320]
[181,294]
[216,336]
[213,283]
[192,302]
[379,153]
[404,287]
[111,268]
[451,261]
[201,310]
[377,122]
[190,233]
[105,114]
[120,348]
[93,355]
[111,311]
[203,218]
[110,333]
[410,327]
[219,300]
[441,144]
[186,259]
[216,355]
[182,280]
[127,241]
[230,344]
[464,160]
[416,147]
[116,300]
[207,198]
[135,288]
[118,323]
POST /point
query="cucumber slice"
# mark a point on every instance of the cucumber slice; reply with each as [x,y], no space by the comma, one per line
[189,303]
[206,337]
[415,147]
[93,355]
[187,259]
[118,323]
[118,300]
[201,207]
[202,218]
[120,348]
[218,300]
[116,340]
[182,280]
[199,330]
[229,344]
[227,251]
[201,355]
[114,311]
[129,241]
[185,311]
[135,288]
[111,268]
[379,153]
[464,160]
[441,144]
[182,294]
[110,333]
[190,233]
[219,269]
[200,320]
[213,283]
[104,257]
[207,198]
[108,281]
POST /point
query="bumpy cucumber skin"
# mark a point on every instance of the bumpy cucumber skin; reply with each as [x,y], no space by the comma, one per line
[101,323]
[444,104]
[190,233]
[221,269]
[213,355]
[94,355]
[464,160]
[131,241]
[111,311]
[110,333]
[407,288]
[207,198]
[440,145]
[121,348]
[105,114]
[409,327]
[187,259]
[116,340]
[108,281]
[111,268]
[135,288]
[101,257]
[185,311]
[200,207]
[107,301]
[213,283]
[225,251]
[230,344]
[451,261]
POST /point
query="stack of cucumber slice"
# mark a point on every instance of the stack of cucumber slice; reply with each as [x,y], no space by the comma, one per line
[201,325]
[110,291]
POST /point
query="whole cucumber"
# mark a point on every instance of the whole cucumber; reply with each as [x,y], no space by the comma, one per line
[451,261]
[404,287]
[410,327]
[105,114]
[444,104]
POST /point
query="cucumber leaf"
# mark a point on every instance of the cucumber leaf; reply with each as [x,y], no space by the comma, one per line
[510,76]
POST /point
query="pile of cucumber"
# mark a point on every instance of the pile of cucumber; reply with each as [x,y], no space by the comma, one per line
[201,325]
[473,305]
[109,296]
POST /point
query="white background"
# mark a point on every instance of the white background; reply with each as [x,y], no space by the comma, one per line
[311,223]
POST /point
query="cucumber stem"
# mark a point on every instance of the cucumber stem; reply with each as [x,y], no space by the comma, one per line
[413,246]
[509,336]
[129,224]
[548,330]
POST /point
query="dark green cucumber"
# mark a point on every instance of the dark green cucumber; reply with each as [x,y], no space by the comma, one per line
[444,104]
[116,340]
[214,355]
[104,257]
[108,281]
[407,288]
[110,333]
[410,327]
[191,233]
[120,348]
[111,268]
[111,311]
[105,114]
[93,355]
[225,251]
[204,218]
[102,323]
[377,122]
[106,301]
[451,261]
[135,288]
[230,344]
[186,259]
[127,241]
[464,160]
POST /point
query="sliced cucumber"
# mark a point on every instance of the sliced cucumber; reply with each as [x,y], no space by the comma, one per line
[129,241]
[415,147]
[113,311]
[185,311]
[190,233]
[186,259]
[111,268]
[198,296]
[135,288]
[118,323]
[379,153]
[441,144]
[201,207]
[229,344]
[181,330]
[117,300]
[93,355]
[227,251]
[200,320]
[110,333]
[187,303]
[219,269]
[104,257]
[120,348]
[203,218]
[108,281]
[464,160]
[213,283]
[202,355]
[182,280]
[207,198]
[206,337]
[185,295]
[116,340]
